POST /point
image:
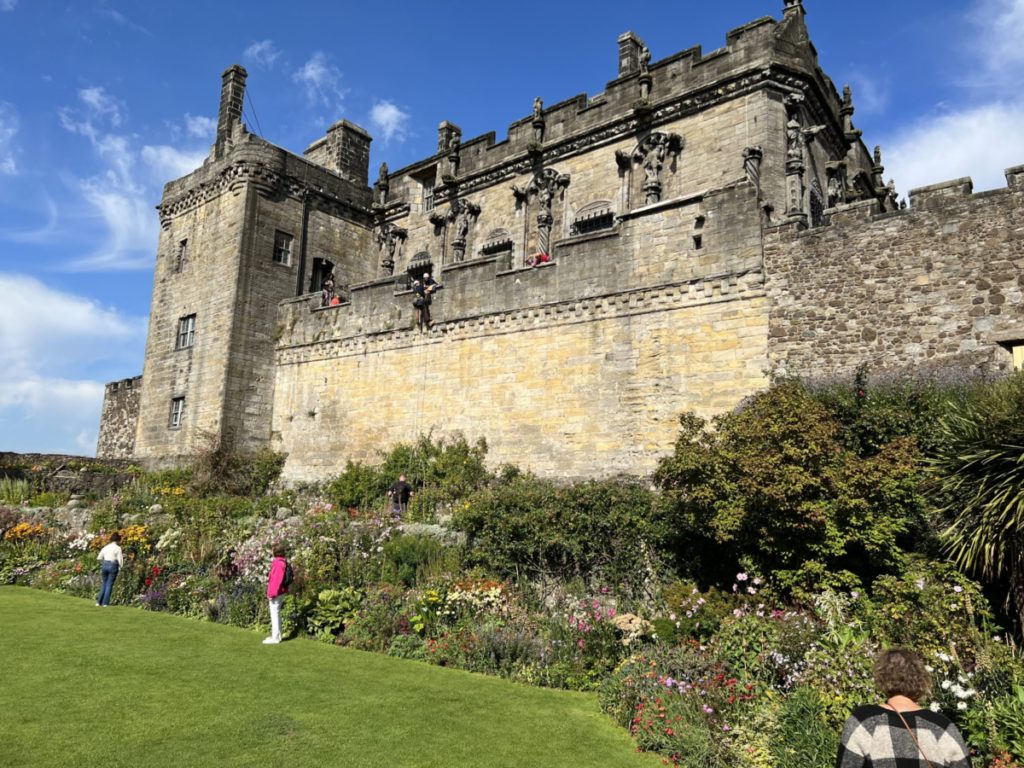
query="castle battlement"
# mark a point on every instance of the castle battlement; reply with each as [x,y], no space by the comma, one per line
[614,260]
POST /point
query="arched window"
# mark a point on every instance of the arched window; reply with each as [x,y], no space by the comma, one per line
[593,217]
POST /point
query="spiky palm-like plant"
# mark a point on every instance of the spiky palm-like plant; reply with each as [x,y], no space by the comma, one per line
[979,467]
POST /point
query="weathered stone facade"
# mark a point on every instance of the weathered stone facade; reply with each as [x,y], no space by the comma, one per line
[119,419]
[703,219]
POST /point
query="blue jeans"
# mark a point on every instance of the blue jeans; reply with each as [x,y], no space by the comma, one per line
[108,569]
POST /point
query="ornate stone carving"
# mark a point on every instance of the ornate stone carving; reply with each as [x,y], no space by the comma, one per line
[651,153]
[752,157]
[389,237]
[382,185]
[836,186]
[795,141]
[462,216]
[543,188]
[538,121]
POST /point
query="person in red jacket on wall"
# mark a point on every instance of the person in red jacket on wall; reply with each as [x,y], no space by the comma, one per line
[276,590]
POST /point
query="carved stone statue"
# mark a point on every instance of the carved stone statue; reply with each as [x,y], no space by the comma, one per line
[543,187]
[538,108]
[382,185]
[388,237]
[645,59]
[538,120]
[462,218]
[651,154]
[834,191]
[794,144]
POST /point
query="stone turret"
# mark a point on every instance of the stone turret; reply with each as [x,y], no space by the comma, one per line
[229,115]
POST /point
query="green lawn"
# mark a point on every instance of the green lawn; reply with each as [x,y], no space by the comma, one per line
[83,686]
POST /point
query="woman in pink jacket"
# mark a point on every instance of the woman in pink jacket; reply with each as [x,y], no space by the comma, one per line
[276,590]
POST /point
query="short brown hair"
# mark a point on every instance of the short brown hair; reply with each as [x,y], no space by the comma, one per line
[901,672]
[115,537]
[279,550]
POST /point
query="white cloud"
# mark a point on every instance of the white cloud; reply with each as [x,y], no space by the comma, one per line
[322,82]
[262,53]
[166,163]
[8,128]
[983,137]
[8,5]
[999,27]
[101,104]
[200,126]
[870,94]
[980,142]
[391,121]
[128,185]
[46,337]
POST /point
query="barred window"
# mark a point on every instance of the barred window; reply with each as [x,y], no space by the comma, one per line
[593,217]
[186,331]
[177,411]
[283,248]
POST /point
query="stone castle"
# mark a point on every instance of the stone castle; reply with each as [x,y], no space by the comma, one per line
[708,217]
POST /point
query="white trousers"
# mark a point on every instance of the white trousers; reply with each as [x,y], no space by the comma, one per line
[275,616]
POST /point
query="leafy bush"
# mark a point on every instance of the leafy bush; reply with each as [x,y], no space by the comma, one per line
[604,532]
[979,469]
[332,610]
[773,487]
[804,739]
[219,468]
[408,559]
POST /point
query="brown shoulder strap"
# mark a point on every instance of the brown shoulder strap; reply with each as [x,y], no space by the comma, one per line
[912,736]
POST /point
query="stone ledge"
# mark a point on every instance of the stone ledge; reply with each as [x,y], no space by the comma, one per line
[478,261]
[726,287]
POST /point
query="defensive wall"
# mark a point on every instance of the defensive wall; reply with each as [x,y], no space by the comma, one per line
[710,217]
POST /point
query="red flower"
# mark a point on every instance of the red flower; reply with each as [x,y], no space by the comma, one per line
[156,571]
[148,582]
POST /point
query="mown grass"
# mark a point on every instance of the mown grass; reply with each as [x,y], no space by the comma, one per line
[83,686]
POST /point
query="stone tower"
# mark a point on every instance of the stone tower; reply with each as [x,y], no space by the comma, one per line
[253,226]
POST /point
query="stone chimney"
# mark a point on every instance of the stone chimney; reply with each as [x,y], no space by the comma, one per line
[629,53]
[232,96]
[345,150]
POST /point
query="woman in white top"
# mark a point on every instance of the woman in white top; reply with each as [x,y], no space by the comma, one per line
[111,559]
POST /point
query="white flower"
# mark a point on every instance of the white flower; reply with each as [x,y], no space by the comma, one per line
[919,583]
[934,706]
[741,577]
[944,657]
[946,685]
[958,589]
[929,668]
[961,705]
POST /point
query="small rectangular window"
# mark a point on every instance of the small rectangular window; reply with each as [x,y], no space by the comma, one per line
[186,331]
[283,248]
[182,257]
[698,242]
[428,197]
[177,411]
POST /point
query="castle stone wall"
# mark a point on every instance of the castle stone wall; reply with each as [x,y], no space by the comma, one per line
[567,389]
[119,419]
[938,285]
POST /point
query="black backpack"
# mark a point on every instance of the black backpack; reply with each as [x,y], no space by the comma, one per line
[289,575]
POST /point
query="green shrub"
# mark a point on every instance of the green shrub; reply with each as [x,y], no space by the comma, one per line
[979,473]
[606,533]
[331,611]
[359,486]
[804,738]
[50,499]
[408,647]
[409,560]
[14,490]
[772,486]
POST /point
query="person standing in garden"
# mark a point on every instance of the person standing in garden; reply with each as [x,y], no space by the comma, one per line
[111,561]
[399,494]
[899,733]
[277,588]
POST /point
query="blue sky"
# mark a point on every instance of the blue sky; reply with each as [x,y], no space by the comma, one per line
[102,101]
